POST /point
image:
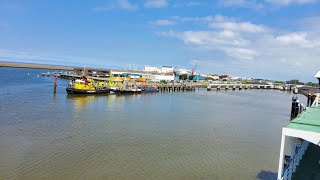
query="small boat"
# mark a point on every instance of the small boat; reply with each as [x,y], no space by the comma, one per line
[150,90]
[84,86]
[129,91]
[46,74]
[80,91]
[113,89]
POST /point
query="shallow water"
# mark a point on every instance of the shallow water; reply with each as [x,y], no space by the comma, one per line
[186,135]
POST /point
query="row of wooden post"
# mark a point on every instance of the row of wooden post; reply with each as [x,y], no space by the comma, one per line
[176,88]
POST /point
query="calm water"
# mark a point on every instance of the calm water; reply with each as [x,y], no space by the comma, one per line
[200,135]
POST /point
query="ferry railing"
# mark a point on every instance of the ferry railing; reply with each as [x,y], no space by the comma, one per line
[316,101]
[294,163]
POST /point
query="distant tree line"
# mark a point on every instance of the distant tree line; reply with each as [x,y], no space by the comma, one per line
[186,77]
[297,82]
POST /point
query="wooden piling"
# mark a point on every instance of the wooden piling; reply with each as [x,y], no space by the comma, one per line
[55,84]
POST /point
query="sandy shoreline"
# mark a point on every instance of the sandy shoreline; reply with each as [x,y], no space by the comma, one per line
[34,66]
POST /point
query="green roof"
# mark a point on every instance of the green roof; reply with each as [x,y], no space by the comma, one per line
[309,120]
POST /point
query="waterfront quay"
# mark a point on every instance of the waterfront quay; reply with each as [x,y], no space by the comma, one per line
[165,82]
[191,86]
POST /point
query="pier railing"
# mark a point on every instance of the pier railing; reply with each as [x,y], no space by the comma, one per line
[294,163]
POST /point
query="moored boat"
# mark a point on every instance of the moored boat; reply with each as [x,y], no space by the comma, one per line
[85,86]
[46,74]
[129,91]
[150,89]
[79,91]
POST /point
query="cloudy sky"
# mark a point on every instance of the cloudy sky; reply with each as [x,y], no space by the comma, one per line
[275,39]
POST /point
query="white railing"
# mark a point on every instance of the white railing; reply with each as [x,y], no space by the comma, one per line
[316,101]
[294,163]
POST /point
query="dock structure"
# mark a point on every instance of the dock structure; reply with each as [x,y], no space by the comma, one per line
[226,86]
[176,87]
[303,132]
[239,86]
[101,75]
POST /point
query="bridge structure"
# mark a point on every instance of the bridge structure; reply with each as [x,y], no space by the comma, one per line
[247,86]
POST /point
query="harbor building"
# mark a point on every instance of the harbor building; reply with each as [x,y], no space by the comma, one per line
[182,71]
[167,69]
[93,72]
[157,70]
[152,69]
[213,76]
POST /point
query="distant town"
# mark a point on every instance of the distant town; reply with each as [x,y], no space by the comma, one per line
[156,74]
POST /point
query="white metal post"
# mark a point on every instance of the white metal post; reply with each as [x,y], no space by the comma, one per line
[283,138]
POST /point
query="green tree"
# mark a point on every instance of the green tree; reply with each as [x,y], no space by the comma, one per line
[183,76]
[312,84]
[163,82]
[191,77]
[279,82]
[295,81]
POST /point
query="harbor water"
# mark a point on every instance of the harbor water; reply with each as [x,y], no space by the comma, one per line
[181,135]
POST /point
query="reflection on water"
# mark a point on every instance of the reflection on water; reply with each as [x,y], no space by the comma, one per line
[81,101]
[184,135]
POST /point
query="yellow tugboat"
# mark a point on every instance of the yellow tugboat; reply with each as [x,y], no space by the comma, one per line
[85,86]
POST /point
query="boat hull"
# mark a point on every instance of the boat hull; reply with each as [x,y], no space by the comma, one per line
[151,90]
[128,92]
[79,91]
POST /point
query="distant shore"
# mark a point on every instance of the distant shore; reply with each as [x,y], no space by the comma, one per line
[308,90]
[34,66]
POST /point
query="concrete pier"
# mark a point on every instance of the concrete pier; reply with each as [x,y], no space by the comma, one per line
[239,86]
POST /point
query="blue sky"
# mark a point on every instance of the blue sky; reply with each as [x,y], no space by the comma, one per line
[276,39]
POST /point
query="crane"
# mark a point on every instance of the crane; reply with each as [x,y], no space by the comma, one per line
[194,68]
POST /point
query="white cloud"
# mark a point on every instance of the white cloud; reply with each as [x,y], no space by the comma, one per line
[241,53]
[155,3]
[295,39]
[186,4]
[125,4]
[226,35]
[241,3]
[248,47]
[311,24]
[256,4]
[118,4]
[287,2]
[240,27]
[226,41]
[193,3]
[163,22]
